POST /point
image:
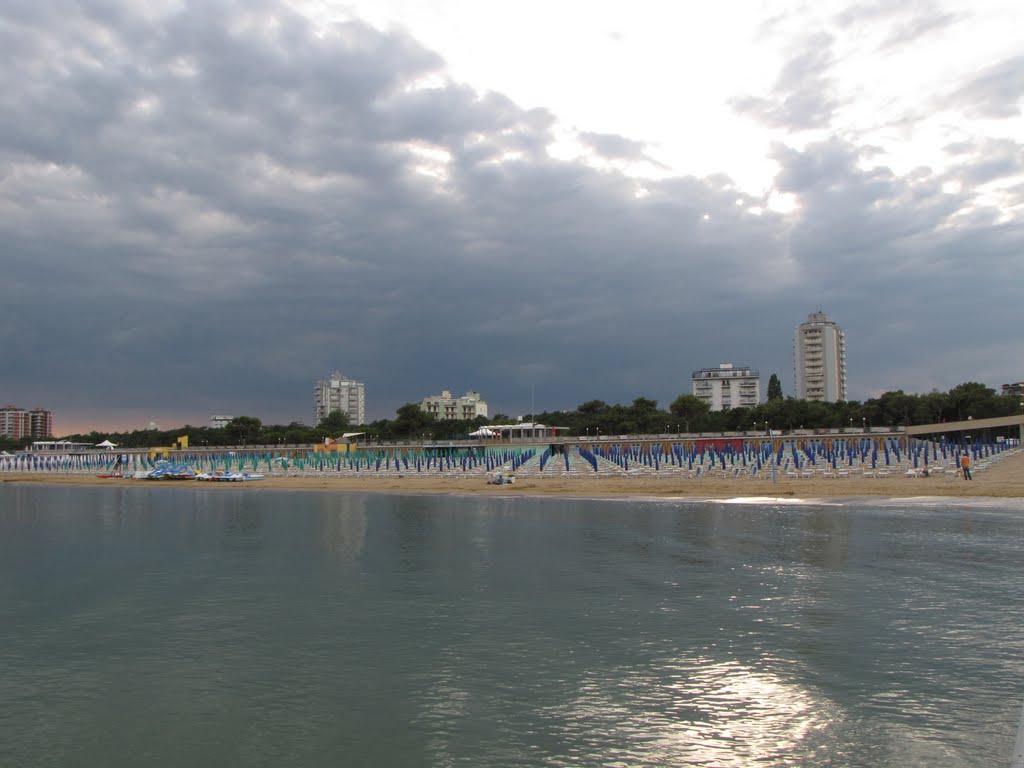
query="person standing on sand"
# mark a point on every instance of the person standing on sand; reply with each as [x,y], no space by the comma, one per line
[965,465]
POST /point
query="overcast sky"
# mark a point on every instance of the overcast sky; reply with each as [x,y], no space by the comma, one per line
[207,206]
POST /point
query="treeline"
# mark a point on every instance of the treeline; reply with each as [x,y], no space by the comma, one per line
[686,414]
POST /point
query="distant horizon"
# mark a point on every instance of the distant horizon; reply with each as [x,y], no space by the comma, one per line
[183,422]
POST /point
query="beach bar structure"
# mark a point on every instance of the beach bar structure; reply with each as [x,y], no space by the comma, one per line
[968,426]
[525,430]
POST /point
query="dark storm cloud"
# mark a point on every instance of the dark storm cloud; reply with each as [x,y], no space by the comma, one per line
[803,94]
[208,210]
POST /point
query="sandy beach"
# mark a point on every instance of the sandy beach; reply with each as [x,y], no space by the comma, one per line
[1003,479]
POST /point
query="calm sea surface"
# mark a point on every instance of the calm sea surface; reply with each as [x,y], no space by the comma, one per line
[170,626]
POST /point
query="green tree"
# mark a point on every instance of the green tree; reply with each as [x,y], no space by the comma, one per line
[645,418]
[335,423]
[895,408]
[691,411]
[972,399]
[241,430]
[412,420]
[738,419]
[774,387]
[592,408]
[937,405]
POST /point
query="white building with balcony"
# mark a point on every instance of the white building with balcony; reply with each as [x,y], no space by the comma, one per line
[727,386]
[445,407]
[819,360]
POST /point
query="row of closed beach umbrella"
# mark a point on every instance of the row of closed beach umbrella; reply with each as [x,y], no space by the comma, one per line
[738,458]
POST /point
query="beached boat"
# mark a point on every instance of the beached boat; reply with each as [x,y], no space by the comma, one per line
[166,470]
[224,476]
[170,476]
[220,476]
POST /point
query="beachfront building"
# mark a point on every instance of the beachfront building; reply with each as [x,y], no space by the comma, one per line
[727,386]
[339,393]
[819,360]
[1013,390]
[17,422]
[62,447]
[445,407]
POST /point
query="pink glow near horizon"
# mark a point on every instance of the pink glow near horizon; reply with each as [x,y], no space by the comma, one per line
[106,422]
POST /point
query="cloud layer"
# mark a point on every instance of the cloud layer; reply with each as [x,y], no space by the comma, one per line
[206,207]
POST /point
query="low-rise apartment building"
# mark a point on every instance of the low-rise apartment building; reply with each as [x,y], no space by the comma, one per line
[446,407]
[727,386]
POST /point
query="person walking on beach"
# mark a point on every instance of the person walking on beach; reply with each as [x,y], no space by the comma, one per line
[965,465]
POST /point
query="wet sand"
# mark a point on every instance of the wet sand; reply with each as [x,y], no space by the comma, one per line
[1003,479]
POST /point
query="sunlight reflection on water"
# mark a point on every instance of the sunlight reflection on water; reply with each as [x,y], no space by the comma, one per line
[694,711]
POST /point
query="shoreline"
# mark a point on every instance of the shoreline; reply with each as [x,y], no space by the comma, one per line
[1003,479]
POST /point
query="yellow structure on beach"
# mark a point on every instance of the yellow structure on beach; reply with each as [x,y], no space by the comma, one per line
[179,445]
[343,444]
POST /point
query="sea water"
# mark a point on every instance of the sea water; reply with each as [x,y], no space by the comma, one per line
[178,626]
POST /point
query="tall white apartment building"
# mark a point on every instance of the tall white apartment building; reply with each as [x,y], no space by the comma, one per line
[819,360]
[339,393]
[727,387]
[447,407]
